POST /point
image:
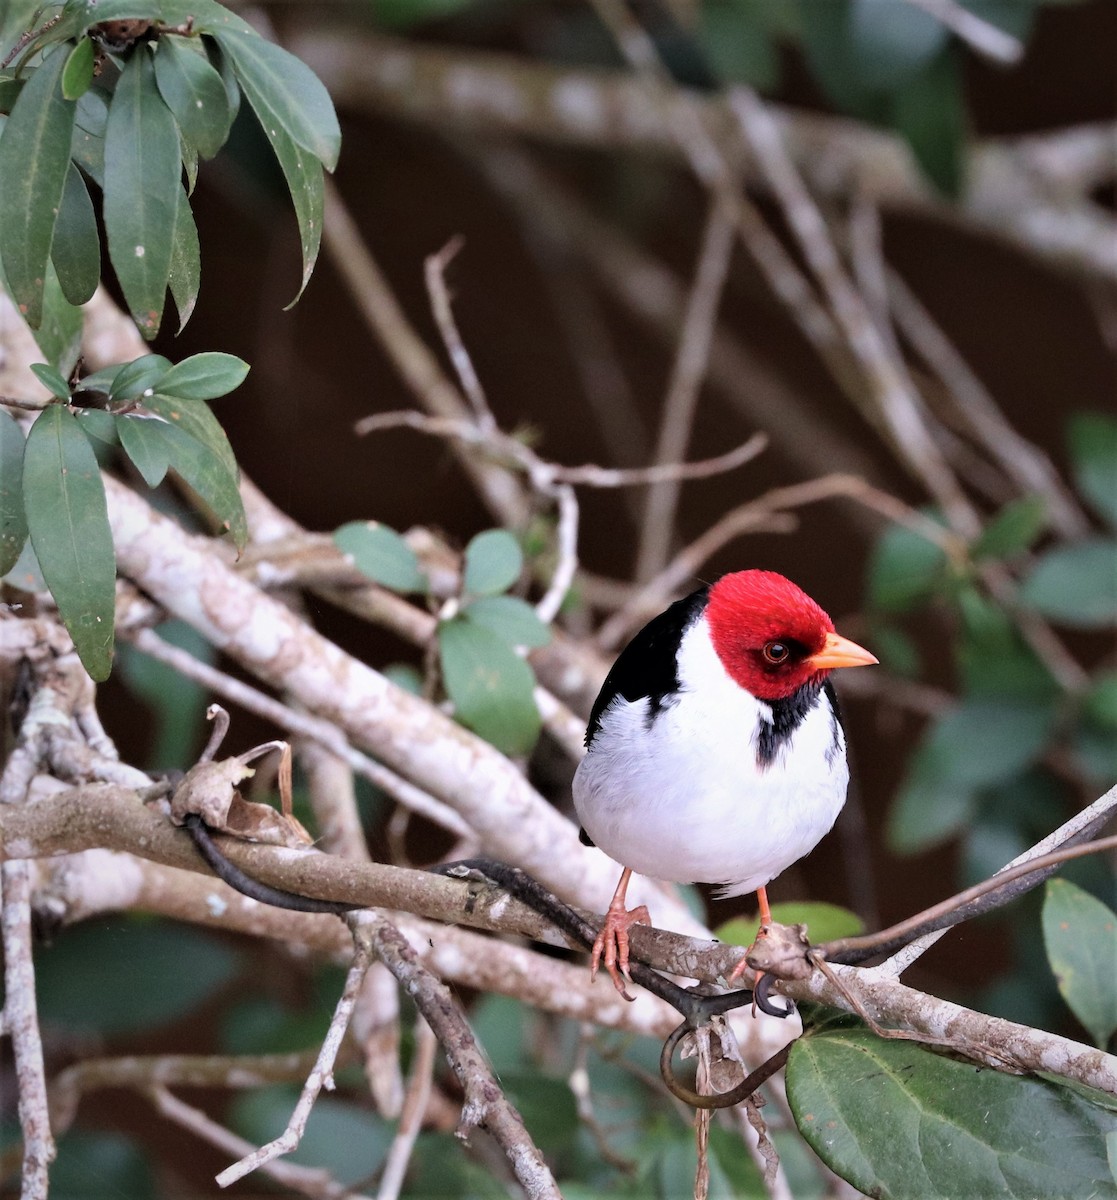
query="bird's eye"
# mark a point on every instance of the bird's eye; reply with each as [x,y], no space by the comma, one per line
[776,652]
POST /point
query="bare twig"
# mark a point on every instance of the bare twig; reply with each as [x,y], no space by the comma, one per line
[321,1075]
[691,358]
[411,1116]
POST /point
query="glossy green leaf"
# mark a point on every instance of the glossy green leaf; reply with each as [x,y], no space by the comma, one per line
[145,445]
[141,375]
[204,376]
[124,976]
[303,174]
[491,687]
[905,570]
[1013,529]
[76,249]
[88,143]
[208,477]
[824,922]
[282,88]
[98,425]
[1075,584]
[77,75]
[52,379]
[382,555]
[142,169]
[197,419]
[929,112]
[195,93]
[13,523]
[973,746]
[898,1121]
[1080,935]
[59,333]
[493,562]
[993,659]
[68,521]
[833,60]
[891,42]
[1093,449]
[509,618]
[34,159]
[186,262]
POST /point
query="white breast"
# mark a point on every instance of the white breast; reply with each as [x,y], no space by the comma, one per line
[682,797]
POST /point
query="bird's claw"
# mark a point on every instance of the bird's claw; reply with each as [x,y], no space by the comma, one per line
[611,944]
[739,969]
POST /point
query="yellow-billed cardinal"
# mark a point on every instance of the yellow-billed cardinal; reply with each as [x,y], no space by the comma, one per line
[714,752]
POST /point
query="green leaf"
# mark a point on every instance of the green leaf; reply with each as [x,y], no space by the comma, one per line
[34,159]
[143,165]
[98,425]
[509,618]
[1080,935]
[204,376]
[208,476]
[68,521]
[1076,584]
[186,262]
[979,743]
[303,174]
[896,1120]
[145,445]
[26,574]
[1013,529]
[905,570]
[195,93]
[196,418]
[493,562]
[891,43]
[382,555]
[59,333]
[13,523]
[52,379]
[77,75]
[1093,450]
[824,922]
[929,112]
[490,686]
[124,976]
[76,249]
[993,659]
[141,375]
[282,88]
[88,143]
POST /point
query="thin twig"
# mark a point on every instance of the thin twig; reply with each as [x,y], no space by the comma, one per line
[311,1181]
[411,1116]
[321,1076]
[681,401]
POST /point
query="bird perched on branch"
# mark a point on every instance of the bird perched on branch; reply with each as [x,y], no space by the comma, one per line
[715,752]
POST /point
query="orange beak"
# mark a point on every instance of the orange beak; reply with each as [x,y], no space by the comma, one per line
[840,652]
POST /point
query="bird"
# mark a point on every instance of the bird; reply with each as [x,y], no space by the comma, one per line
[715,751]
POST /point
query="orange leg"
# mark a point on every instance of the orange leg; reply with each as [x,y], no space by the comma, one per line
[762,932]
[612,941]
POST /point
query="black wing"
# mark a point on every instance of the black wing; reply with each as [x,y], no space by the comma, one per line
[648,666]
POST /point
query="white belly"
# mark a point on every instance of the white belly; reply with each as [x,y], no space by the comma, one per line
[684,799]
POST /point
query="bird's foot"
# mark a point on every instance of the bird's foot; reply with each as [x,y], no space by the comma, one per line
[739,969]
[611,943]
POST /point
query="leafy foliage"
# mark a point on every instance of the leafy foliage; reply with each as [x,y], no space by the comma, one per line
[132,115]
[897,1120]
[1080,934]
[157,412]
[489,683]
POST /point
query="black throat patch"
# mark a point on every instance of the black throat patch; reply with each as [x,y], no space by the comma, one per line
[789,713]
